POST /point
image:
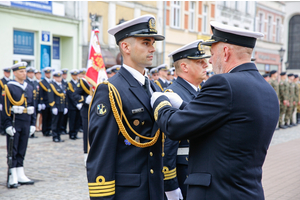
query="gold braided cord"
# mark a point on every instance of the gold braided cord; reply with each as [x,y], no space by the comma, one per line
[1,83]
[55,91]
[71,87]
[83,87]
[113,92]
[159,85]
[44,87]
[12,101]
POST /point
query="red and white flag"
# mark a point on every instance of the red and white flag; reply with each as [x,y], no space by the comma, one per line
[96,72]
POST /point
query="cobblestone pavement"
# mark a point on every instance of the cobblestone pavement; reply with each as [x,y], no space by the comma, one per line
[59,173]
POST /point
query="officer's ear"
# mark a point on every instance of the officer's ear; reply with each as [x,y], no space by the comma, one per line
[184,65]
[126,45]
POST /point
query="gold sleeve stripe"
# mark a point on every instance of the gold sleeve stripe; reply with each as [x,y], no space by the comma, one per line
[160,105]
[52,104]
[44,88]
[101,188]
[71,87]
[169,174]
[159,85]
[83,87]
[81,99]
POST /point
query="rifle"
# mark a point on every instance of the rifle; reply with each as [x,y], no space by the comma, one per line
[10,153]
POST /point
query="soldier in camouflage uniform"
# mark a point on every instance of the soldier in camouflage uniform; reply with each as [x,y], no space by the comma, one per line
[283,98]
[274,83]
[289,113]
[297,90]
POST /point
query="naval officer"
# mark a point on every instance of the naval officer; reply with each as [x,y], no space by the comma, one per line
[65,117]
[19,107]
[162,81]
[3,82]
[229,124]
[125,157]
[190,65]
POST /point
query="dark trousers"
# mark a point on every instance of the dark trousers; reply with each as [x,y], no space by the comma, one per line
[74,122]
[182,172]
[46,121]
[20,142]
[2,114]
[57,121]
[84,118]
[64,123]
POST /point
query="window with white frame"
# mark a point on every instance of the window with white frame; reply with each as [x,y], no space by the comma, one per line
[269,28]
[204,15]
[247,7]
[261,22]
[278,30]
[192,16]
[175,14]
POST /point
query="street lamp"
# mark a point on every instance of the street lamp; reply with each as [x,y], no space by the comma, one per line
[281,53]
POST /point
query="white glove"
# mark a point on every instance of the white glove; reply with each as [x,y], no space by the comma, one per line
[10,130]
[88,99]
[65,111]
[1,107]
[174,98]
[17,109]
[54,111]
[154,96]
[30,110]
[174,194]
[39,107]
[79,106]
[32,130]
[43,106]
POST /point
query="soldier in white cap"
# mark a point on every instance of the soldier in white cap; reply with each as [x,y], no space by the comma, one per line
[229,124]
[154,74]
[58,104]
[3,82]
[38,76]
[112,70]
[19,121]
[65,117]
[162,81]
[125,159]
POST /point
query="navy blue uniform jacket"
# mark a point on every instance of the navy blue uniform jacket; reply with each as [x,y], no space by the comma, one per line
[56,101]
[130,172]
[230,125]
[71,86]
[43,92]
[80,94]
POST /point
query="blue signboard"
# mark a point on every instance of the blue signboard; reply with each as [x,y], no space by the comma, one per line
[23,42]
[42,6]
[45,36]
[55,47]
[45,57]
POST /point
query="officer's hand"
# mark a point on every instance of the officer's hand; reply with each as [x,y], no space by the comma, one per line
[54,111]
[43,106]
[1,107]
[174,195]
[174,98]
[65,111]
[17,109]
[32,130]
[30,110]
[10,130]
[154,96]
[88,99]
[39,107]
[79,106]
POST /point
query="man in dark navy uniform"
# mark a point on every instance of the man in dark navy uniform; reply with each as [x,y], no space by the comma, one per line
[19,107]
[30,81]
[65,117]
[125,159]
[83,97]
[38,75]
[229,124]
[190,64]
[57,101]
[44,106]
[3,82]
[162,81]
[154,74]
[73,106]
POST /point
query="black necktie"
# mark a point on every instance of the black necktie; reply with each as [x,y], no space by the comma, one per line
[146,86]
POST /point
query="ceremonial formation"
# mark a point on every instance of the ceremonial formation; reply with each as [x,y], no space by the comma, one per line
[177,132]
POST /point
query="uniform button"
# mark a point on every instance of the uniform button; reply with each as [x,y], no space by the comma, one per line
[151,154]
[151,171]
[186,158]
[143,122]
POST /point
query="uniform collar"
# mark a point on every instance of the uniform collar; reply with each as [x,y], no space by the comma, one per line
[22,86]
[7,79]
[163,80]
[59,84]
[30,79]
[74,81]
[136,74]
[194,87]
[48,80]
[243,67]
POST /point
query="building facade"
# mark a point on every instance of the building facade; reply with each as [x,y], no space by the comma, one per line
[40,34]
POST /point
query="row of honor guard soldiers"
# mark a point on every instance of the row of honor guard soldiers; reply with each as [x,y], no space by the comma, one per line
[288,91]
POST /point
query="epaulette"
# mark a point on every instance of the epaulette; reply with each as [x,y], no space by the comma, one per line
[159,85]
